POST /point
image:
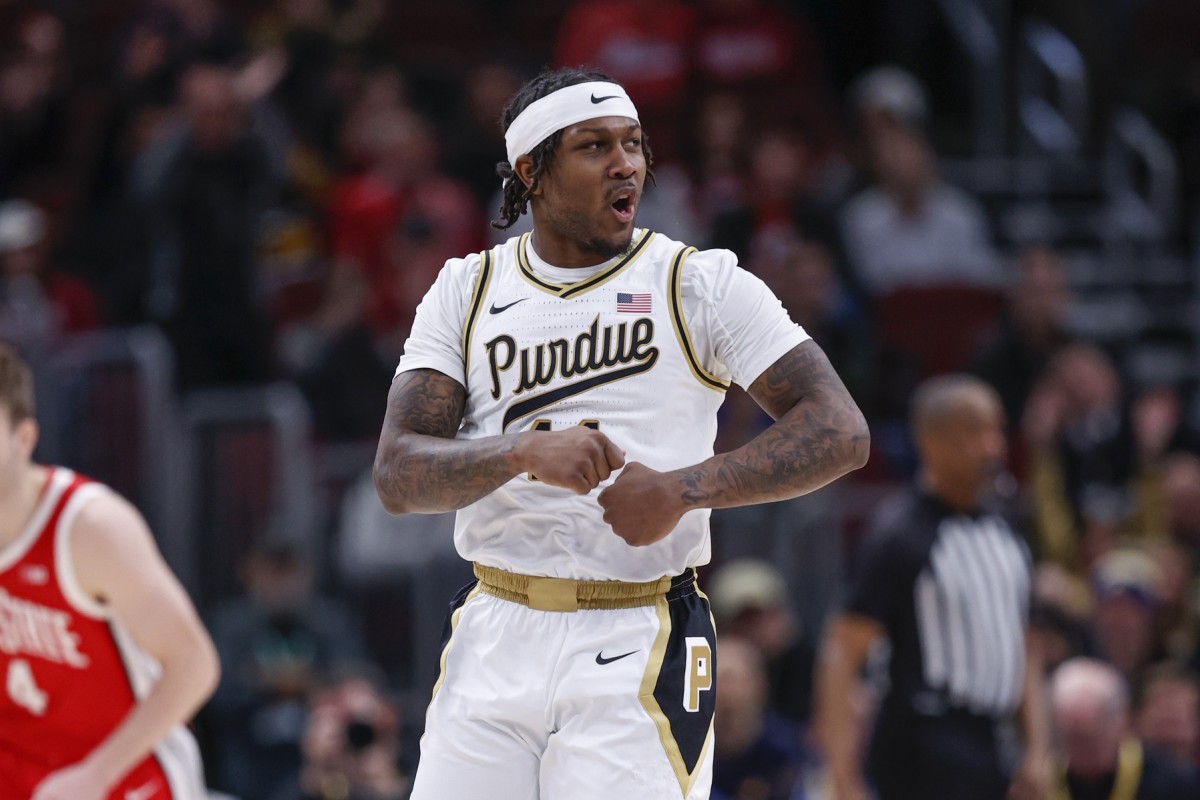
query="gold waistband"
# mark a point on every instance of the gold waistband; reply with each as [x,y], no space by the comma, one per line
[565,594]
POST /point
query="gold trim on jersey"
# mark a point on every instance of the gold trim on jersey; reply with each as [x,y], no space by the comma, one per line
[477,294]
[646,696]
[575,289]
[454,618]
[682,334]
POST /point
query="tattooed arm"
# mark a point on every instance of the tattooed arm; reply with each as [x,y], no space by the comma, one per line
[421,467]
[819,434]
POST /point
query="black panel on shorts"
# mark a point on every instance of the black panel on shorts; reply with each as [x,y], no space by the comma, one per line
[447,627]
[689,617]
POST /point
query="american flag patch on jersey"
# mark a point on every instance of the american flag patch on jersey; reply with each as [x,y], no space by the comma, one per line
[636,303]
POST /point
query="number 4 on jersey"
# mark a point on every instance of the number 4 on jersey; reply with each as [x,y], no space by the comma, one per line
[23,689]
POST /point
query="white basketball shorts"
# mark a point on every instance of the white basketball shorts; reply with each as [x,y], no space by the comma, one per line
[581,705]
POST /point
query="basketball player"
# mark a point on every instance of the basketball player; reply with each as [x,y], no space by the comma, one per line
[560,391]
[101,653]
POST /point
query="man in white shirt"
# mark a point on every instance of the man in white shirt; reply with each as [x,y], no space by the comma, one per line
[560,392]
[910,228]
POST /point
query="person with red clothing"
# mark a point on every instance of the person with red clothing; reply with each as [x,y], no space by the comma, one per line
[772,59]
[645,45]
[102,656]
[397,219]
[37,301]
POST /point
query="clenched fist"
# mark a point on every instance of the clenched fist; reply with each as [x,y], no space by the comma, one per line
[643,505]
[577,458]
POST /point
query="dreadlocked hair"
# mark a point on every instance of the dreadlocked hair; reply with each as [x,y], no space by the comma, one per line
[515,201]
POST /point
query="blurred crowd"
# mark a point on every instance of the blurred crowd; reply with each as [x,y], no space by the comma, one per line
[275,183]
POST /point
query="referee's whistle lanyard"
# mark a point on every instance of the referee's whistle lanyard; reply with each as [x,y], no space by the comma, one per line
[1129,774]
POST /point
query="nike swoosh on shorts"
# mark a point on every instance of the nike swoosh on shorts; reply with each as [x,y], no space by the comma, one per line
[600,659]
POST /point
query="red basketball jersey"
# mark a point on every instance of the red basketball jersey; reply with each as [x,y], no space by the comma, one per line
[68,673]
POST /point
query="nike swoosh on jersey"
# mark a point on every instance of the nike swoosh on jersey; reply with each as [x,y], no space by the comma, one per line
[602,99]
[35,574]
[495,309]
[600,659]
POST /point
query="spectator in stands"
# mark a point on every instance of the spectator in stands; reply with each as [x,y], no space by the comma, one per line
[1032,329]
[352,746]
[277,643]
[139,131]
[308,47]
[398,218]
[1100,755]
[199,30]
[1181,495]
[35,114]
[474,141]
[762,51]
[910,228]
[1128,585]
[644,45]
[1088,489]
[1060,621]
[37,302]
[758,753]
[205,188]
[803,274]
[334,357]
[1159,424]
[1167,712]
[750,602]
[718,154]
[780,190]
[140,115]
[1181,501]
[943,578]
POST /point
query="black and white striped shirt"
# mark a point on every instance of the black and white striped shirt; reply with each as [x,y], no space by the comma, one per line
[952,592]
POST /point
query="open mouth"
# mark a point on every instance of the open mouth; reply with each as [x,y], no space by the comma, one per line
[624,207]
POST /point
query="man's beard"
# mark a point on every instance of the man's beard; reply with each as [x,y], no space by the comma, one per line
[606,250]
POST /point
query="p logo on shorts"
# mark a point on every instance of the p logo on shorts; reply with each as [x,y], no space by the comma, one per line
[699,677]
[679,687]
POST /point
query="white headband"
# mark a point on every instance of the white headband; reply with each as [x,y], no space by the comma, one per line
[565,107]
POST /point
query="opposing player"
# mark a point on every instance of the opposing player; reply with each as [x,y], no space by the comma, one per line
[102,656]
[560,391]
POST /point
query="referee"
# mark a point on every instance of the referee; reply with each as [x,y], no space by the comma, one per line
[942,579]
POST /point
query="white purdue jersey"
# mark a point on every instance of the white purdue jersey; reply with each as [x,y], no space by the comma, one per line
[641,347]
